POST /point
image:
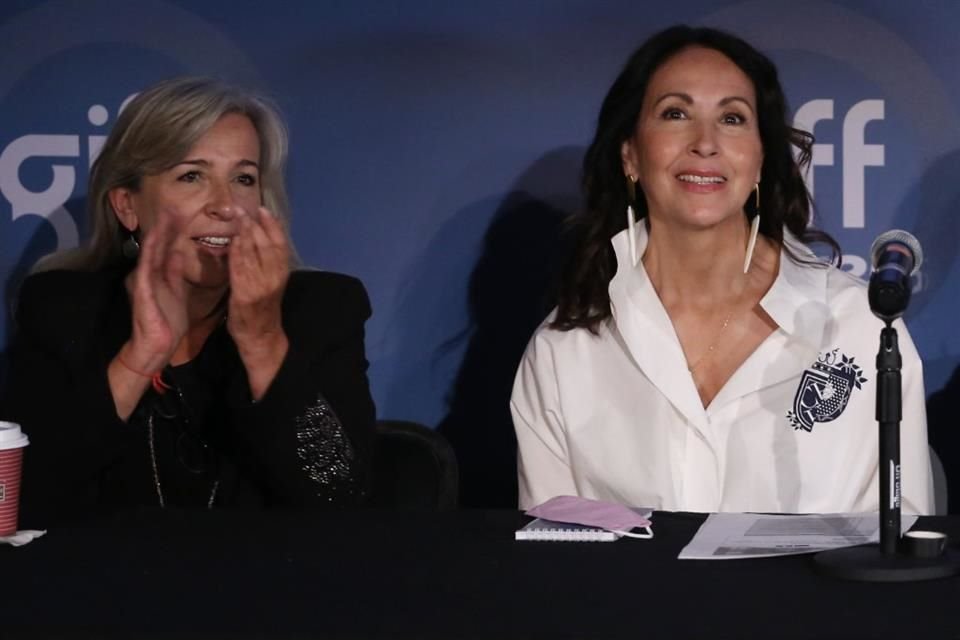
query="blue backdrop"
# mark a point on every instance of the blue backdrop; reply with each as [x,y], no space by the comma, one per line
[436,147]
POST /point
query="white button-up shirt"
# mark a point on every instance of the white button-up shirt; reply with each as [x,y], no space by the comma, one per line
[617,416]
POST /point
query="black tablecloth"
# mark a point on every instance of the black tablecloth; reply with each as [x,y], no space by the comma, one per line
[360,574]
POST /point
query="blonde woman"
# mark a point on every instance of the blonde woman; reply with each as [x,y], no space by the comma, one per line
[177,359]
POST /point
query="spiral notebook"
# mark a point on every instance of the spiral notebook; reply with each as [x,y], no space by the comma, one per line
[550,531]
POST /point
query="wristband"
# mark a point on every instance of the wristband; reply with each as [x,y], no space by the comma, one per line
[156,379]
[123,362]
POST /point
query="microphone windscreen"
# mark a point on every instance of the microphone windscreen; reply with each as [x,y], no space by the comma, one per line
[903,237]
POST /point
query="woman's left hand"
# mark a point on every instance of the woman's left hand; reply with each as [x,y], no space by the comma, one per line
[259,263]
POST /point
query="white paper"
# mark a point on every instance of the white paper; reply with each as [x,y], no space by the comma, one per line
[21,538]
[729,536]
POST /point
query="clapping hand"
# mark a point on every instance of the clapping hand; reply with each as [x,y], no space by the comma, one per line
[158,298]
[259,262]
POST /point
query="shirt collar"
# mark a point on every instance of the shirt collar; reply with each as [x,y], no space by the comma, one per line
[797,299]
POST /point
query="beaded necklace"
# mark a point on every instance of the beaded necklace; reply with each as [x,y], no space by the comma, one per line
[151,441]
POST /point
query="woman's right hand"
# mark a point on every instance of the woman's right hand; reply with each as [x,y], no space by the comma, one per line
[159,318]
[158,301]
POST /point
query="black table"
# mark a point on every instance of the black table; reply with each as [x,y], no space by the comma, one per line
[368,573]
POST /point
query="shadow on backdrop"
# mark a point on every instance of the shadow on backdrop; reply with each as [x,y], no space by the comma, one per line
[509,295]
[930,211]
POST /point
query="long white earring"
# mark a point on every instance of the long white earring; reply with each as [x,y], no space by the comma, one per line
[754,230]
[631,221]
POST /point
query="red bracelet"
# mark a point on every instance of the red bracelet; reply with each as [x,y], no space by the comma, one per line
[136,371]
[156,379]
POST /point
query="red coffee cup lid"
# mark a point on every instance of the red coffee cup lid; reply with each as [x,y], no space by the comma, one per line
[11,437]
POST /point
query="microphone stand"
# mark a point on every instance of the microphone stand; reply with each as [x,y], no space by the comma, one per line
[887,561]
[889,414]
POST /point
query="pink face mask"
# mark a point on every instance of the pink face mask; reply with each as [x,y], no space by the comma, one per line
[593,513]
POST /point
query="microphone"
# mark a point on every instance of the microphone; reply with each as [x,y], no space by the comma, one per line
[896,256]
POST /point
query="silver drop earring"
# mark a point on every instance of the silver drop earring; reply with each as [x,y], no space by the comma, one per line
[130,248]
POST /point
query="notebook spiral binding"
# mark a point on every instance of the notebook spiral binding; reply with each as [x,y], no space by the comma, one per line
[541,530]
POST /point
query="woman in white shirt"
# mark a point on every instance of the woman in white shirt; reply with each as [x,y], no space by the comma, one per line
[701,357]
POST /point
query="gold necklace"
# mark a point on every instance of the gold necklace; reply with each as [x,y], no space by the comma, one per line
[716,339]
[713,345]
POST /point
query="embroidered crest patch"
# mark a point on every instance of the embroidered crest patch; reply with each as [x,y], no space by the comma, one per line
[824,390]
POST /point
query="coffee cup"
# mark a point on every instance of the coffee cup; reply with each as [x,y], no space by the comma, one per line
[12,442]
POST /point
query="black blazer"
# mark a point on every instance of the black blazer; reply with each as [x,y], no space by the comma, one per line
[307,441]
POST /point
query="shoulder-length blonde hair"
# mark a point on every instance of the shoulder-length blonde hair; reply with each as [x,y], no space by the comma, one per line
[153,133]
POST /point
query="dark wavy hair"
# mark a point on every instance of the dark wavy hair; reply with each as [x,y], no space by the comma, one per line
[583,296]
